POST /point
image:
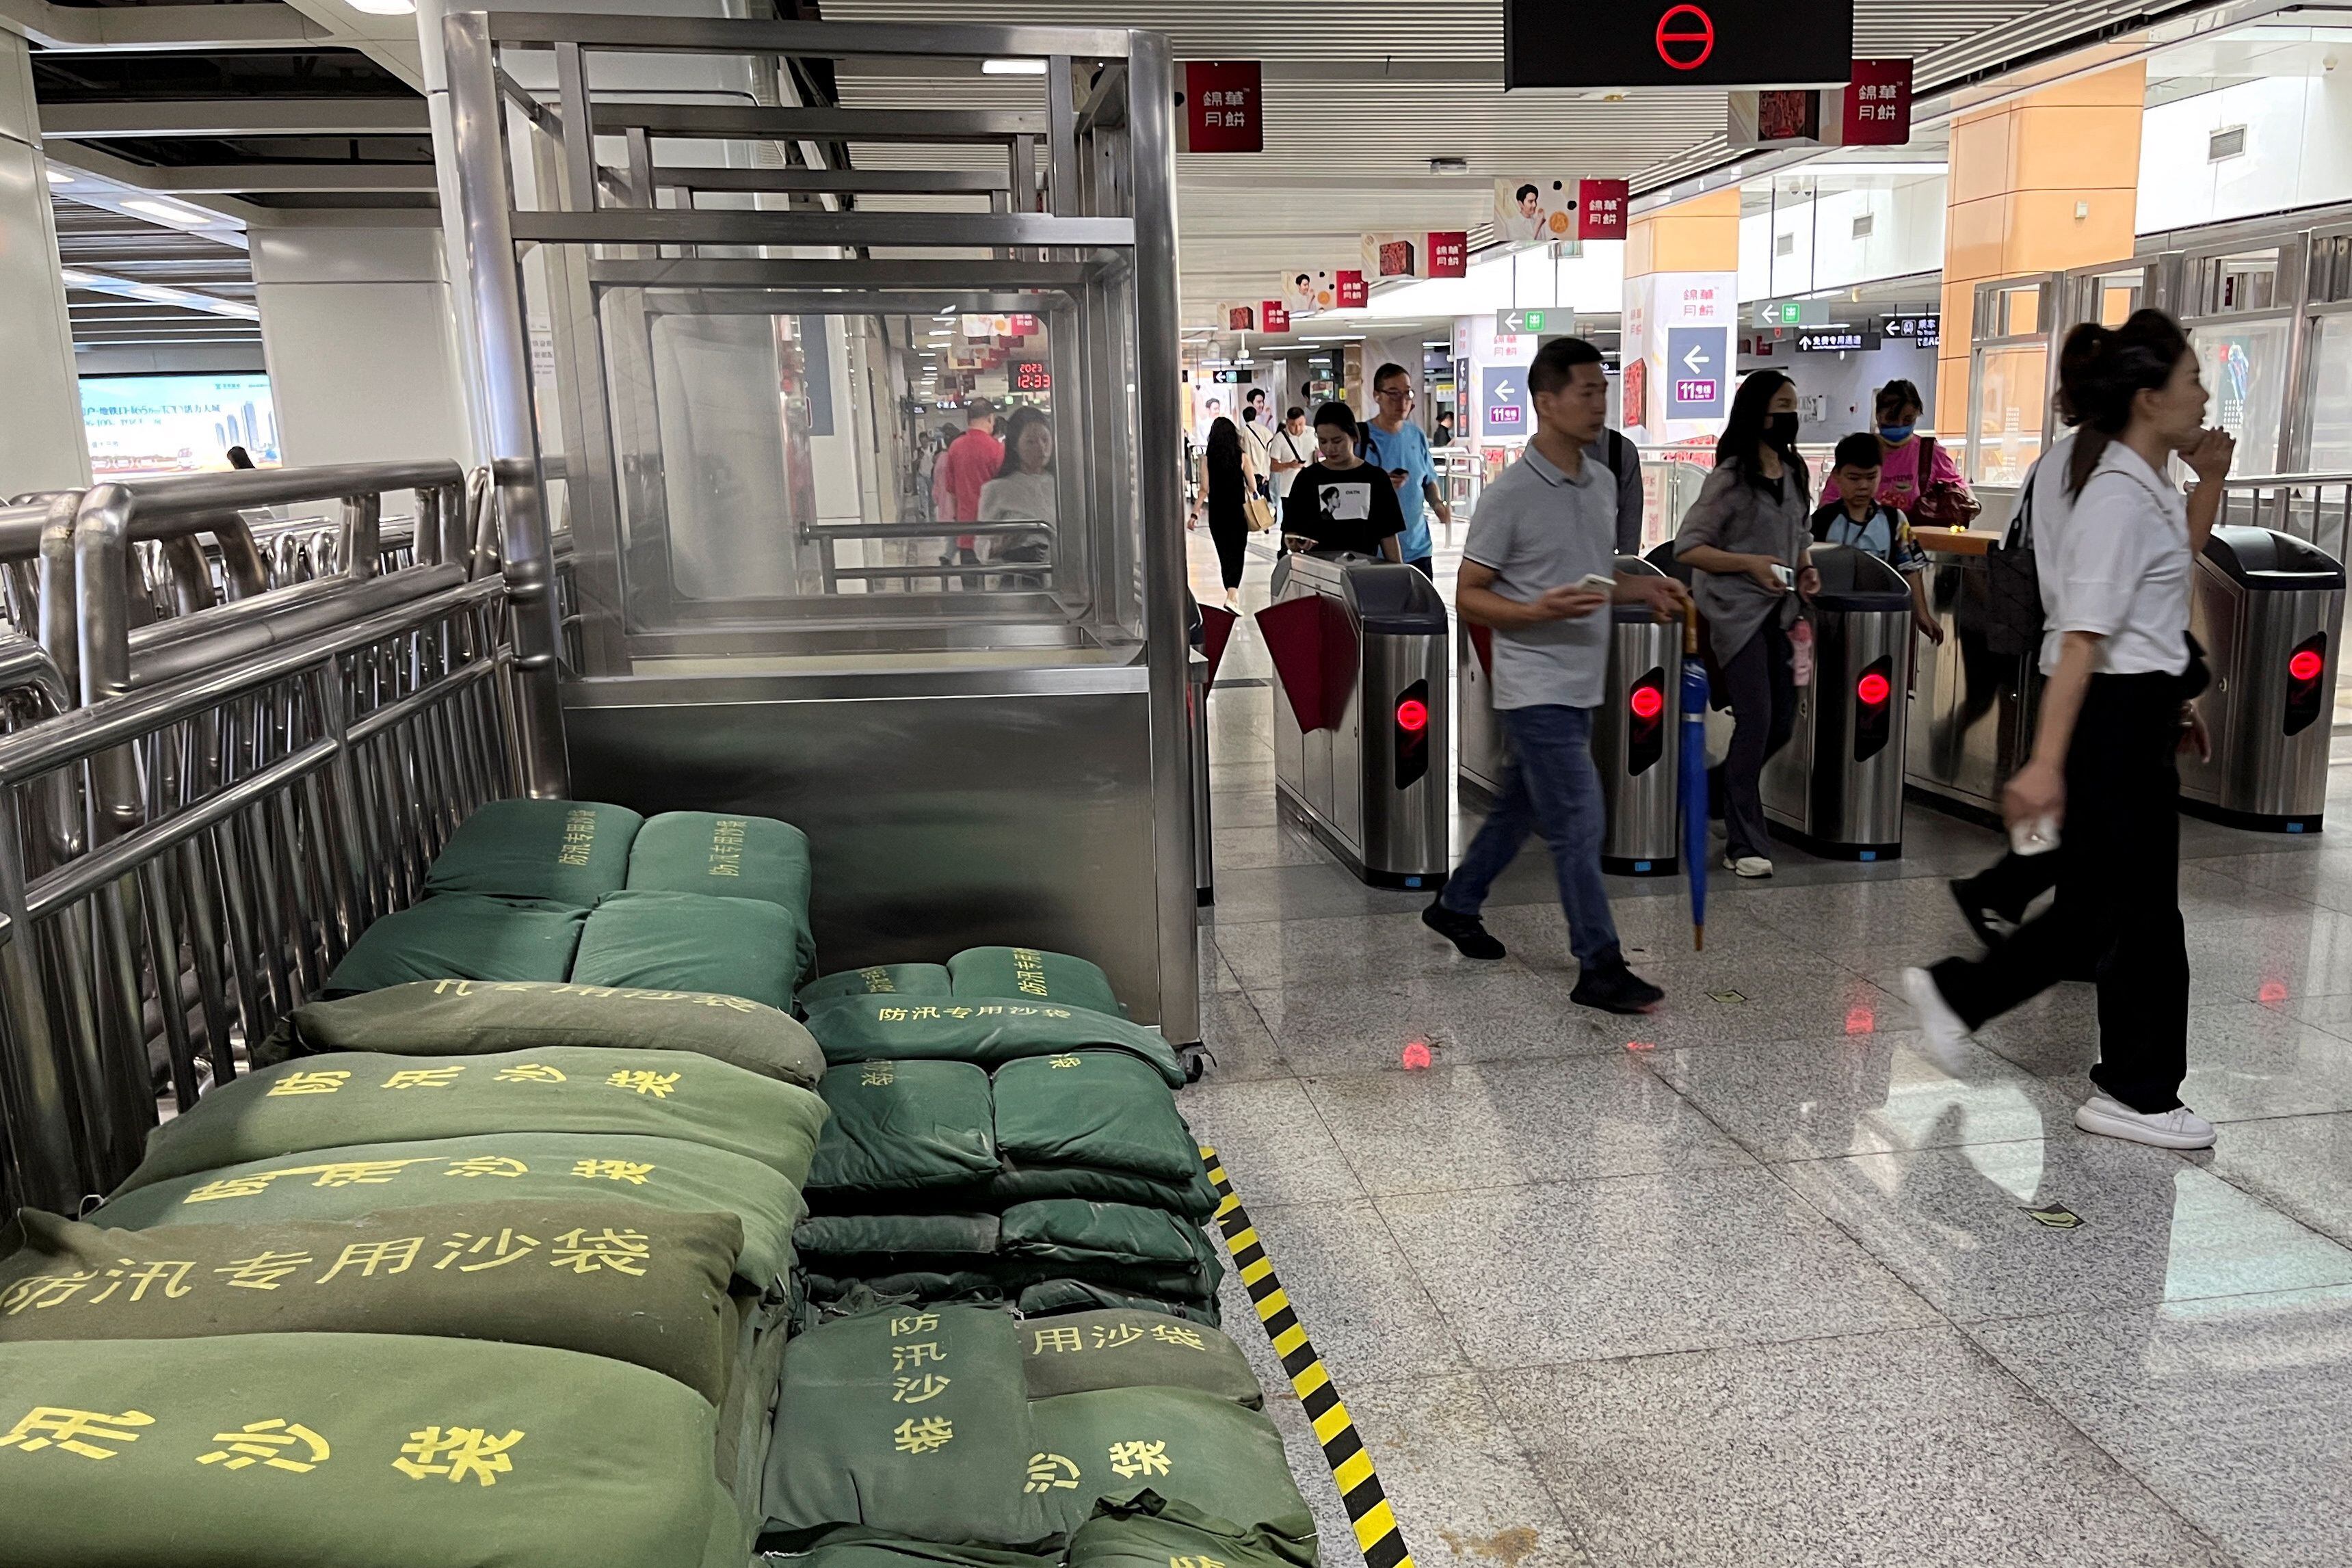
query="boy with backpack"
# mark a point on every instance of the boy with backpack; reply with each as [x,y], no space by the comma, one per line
[1857,518]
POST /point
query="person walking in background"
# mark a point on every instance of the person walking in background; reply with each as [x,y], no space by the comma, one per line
[970,462]
[1256,456]
[1339,502]
[1539,567]
[1228,481]
[1613,451]
[2115,590]
[1442,432]
[1288,450]
[1861,520]
[1744,539]
[1022,492]
[1915,475]
[1393,442]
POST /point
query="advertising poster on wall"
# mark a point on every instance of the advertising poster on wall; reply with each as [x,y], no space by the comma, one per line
[1678,332]
[1531,211]
[176,424]
[1390,255]
[1308,293]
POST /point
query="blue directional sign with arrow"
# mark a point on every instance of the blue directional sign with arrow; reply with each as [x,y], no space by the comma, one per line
[1503,407]
[1697,368]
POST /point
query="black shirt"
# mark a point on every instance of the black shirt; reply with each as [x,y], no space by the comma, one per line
[1350,510]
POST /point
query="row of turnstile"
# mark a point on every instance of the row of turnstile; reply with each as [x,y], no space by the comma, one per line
[1364,701]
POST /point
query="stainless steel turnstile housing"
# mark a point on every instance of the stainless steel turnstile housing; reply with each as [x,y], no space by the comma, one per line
[1837,787]
[1373,786]
[2267,608]
[1635,735]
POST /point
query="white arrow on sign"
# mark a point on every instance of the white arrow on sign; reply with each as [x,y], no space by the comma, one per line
[1698,359]
[1508,392]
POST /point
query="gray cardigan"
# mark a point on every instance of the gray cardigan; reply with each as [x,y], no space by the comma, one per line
[1733,514]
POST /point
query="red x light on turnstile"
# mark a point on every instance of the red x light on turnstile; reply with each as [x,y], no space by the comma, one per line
[1411,733]
[1645,728]
[2304,667]
[1874,707]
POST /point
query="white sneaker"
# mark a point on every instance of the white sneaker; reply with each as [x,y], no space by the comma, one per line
[1747,865]
[1942,1026]
[2179,1128]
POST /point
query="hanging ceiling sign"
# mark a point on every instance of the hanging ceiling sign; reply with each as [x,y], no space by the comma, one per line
[1836,339]
[1449,252]
[1677,43]
[1600,208]
[1222,107]
[1878,104]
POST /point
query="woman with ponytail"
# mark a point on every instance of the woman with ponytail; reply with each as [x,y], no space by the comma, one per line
[1745,540]
[2116,572]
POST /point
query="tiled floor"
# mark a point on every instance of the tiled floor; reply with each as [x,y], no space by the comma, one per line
[1751,1283]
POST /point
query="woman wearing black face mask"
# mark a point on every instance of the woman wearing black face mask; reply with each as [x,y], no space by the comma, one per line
[1744,539]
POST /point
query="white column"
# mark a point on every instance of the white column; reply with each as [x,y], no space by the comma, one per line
[356,328]
[41,443]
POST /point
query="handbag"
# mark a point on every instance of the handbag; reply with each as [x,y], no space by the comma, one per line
[2013,582]
[1946,504]
[1260,513]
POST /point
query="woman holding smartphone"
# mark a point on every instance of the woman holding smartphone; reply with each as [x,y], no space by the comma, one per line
[1744,539]
[2116,581]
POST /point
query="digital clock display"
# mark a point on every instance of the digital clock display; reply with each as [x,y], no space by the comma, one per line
[1029,375]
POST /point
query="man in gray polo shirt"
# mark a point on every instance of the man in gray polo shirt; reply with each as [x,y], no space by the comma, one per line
[1540,530]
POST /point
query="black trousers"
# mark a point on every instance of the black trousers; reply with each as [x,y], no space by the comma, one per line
[2012,883]
[1229,526]
[2117,912]
[1759,685]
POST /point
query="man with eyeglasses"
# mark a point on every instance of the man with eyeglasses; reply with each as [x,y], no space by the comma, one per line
[1392,441]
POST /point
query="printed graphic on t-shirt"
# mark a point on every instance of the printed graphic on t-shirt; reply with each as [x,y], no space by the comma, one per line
[1346,503]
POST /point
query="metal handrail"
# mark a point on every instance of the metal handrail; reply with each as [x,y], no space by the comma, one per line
[292,793]
[2299,505]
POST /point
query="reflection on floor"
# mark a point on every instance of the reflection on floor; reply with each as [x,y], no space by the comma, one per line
[1752,1281]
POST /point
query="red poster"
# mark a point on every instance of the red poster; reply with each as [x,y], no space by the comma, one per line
[1240,318]
[1220,107]
[1449,254]
[1878,104]
[1272,317]
[1600,208]
[1788,116]
[1024,326]
[1351,287]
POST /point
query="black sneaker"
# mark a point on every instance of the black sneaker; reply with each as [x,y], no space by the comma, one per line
[1615,988]
[1992,927]
[1466,932]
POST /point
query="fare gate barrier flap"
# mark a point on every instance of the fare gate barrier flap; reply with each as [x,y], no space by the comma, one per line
[1359,649]
[1837,787]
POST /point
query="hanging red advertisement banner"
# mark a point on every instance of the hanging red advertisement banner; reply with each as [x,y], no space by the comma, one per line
[1350,289]
[1449,252]
[1600,208]
[1878,104]
[1221,101]
[1272,317]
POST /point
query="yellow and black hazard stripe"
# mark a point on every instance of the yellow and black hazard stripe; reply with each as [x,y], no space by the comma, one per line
[1377,1535]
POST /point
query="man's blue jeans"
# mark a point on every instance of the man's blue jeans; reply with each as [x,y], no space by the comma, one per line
[1549,783]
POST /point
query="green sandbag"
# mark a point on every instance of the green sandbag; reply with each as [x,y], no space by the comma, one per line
[872,1549]
[1103,1109]
[1148,1530]
[877,981]
[912,1420]
[475,1018]
[932,1286]
[465,936]
[1123,1348]
[525,1168]
[573,852]
[1195,1199]
[747,1410]
[988,1030]
[603,1277]
[359,1450]
[737,947]
[362,1097]
[1077,1233]
[1049,1298]
[1188,1447]
[901,1127]
[1034,975]
[864,1235]
[726,856]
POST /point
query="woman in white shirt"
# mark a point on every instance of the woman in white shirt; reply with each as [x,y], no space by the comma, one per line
[1022,492]
[2116,580]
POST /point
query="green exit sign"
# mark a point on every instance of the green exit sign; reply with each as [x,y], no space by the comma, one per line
[1515,321]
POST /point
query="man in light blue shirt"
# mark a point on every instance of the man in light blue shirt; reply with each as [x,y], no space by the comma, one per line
[1392,441]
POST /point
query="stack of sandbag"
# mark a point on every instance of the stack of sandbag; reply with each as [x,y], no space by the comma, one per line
[530,1239]
[1081,1439]
[1000,1132]
[572,890]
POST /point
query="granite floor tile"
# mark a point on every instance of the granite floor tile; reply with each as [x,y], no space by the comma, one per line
[1503,1123]
[1851,914]
[1641,1265]
[1303,893]
[2275,957]
[1368,1311]
[1859,1094]
[1242,808]
[1492,1013]
[2154,1227]
[1901,1449]
[2237,1412]
[1237,1040]
[1271,1140]
[2301,1166]
[1253,848]
[1652,928]
[1345,949]
[2244,1059]
[1458,1475]
[1719,999]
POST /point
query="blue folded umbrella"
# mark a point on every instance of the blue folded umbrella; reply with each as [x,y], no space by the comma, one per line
[1692,793]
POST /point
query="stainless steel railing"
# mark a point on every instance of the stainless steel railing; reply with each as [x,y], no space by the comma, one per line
[2312,507]
[283,799]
